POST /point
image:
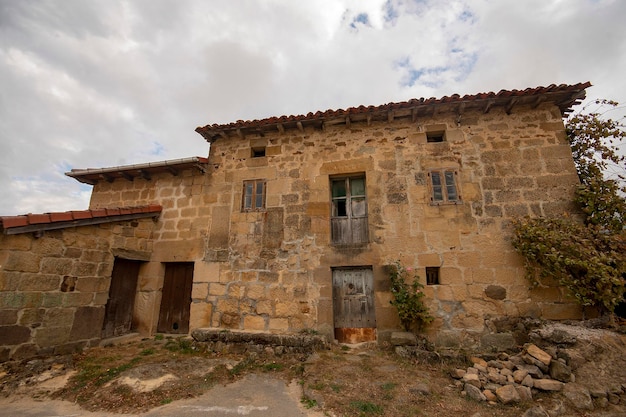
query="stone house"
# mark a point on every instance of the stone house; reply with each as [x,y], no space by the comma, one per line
[290,223]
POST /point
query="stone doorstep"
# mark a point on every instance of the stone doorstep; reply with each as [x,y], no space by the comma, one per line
[260,338]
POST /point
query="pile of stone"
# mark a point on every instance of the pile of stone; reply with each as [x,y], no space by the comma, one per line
[509,379]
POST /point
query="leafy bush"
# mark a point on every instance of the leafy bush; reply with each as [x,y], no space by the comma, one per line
[407,298]
[585,259]
[588,257]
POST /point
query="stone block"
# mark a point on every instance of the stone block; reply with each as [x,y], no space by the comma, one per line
[87,323]
[278,324]
[255,291]
[14,335]
[200,315]
[22,261]
[206,272]
[200,291]
[547,384]
[8,317]
[228,306]
[21,242]
[217,289]
[77,299]
[92,284]
[48,246]
[254,323]
[58,317]
[54,336]
[539,354]
[265,307]
[508,394]
[286,309]
[82,269]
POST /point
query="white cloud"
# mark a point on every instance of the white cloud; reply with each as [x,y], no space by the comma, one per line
[105,83]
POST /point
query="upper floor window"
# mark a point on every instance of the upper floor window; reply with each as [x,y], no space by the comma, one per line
[432,137]
[349,210]
[443,187]
[253,195]
[258,152]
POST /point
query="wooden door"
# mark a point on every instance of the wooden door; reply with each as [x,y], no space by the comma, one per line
[118,316]
[176,298]
[353,305]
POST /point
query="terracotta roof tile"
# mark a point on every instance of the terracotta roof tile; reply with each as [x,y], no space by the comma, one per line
[58,220]
[145,171]
[563,95]
[78,215]
[38,218]
[14,221]
[99,213]
[61,217]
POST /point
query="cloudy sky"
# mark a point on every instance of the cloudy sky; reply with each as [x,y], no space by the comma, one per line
[91,84]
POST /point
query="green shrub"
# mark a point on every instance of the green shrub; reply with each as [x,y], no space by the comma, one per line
[407,298]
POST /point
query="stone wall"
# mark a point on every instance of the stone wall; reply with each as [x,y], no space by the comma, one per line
[54,288]
[271,270]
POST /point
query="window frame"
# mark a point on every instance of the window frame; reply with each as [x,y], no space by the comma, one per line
[254,195]
[436,136]
[351,220]
[443,188]
[433,275]
[257,151]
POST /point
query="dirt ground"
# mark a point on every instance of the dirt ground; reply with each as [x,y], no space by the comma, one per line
[365,380]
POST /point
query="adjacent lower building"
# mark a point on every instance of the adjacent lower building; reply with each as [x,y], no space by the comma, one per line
[290,223]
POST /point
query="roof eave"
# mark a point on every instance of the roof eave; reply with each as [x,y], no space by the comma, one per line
[563,96]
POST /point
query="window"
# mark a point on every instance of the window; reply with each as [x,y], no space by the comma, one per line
[432,275]
[258,152]
[444,189]
[349,211]
[253,195]
[432,137]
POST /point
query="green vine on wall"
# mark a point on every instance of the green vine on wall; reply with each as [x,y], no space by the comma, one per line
[407,298]
[589,257]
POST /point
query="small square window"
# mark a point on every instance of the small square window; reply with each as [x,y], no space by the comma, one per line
[443,187]
[433,137]
[258,152]
[432,275]
[253,195]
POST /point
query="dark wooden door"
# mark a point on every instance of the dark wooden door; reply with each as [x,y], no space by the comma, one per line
[176,298]
[118,316]
[353,304]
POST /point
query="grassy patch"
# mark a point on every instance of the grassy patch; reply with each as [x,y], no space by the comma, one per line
[180,345]
[388,386]
[366,408]
[93,371]
[308,402]
[335,387]
[272,366]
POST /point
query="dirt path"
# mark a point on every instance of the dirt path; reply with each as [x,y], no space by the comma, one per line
[163,377]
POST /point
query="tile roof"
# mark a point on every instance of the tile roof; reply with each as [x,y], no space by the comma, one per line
[129,172]
[563,95]
[27,223]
